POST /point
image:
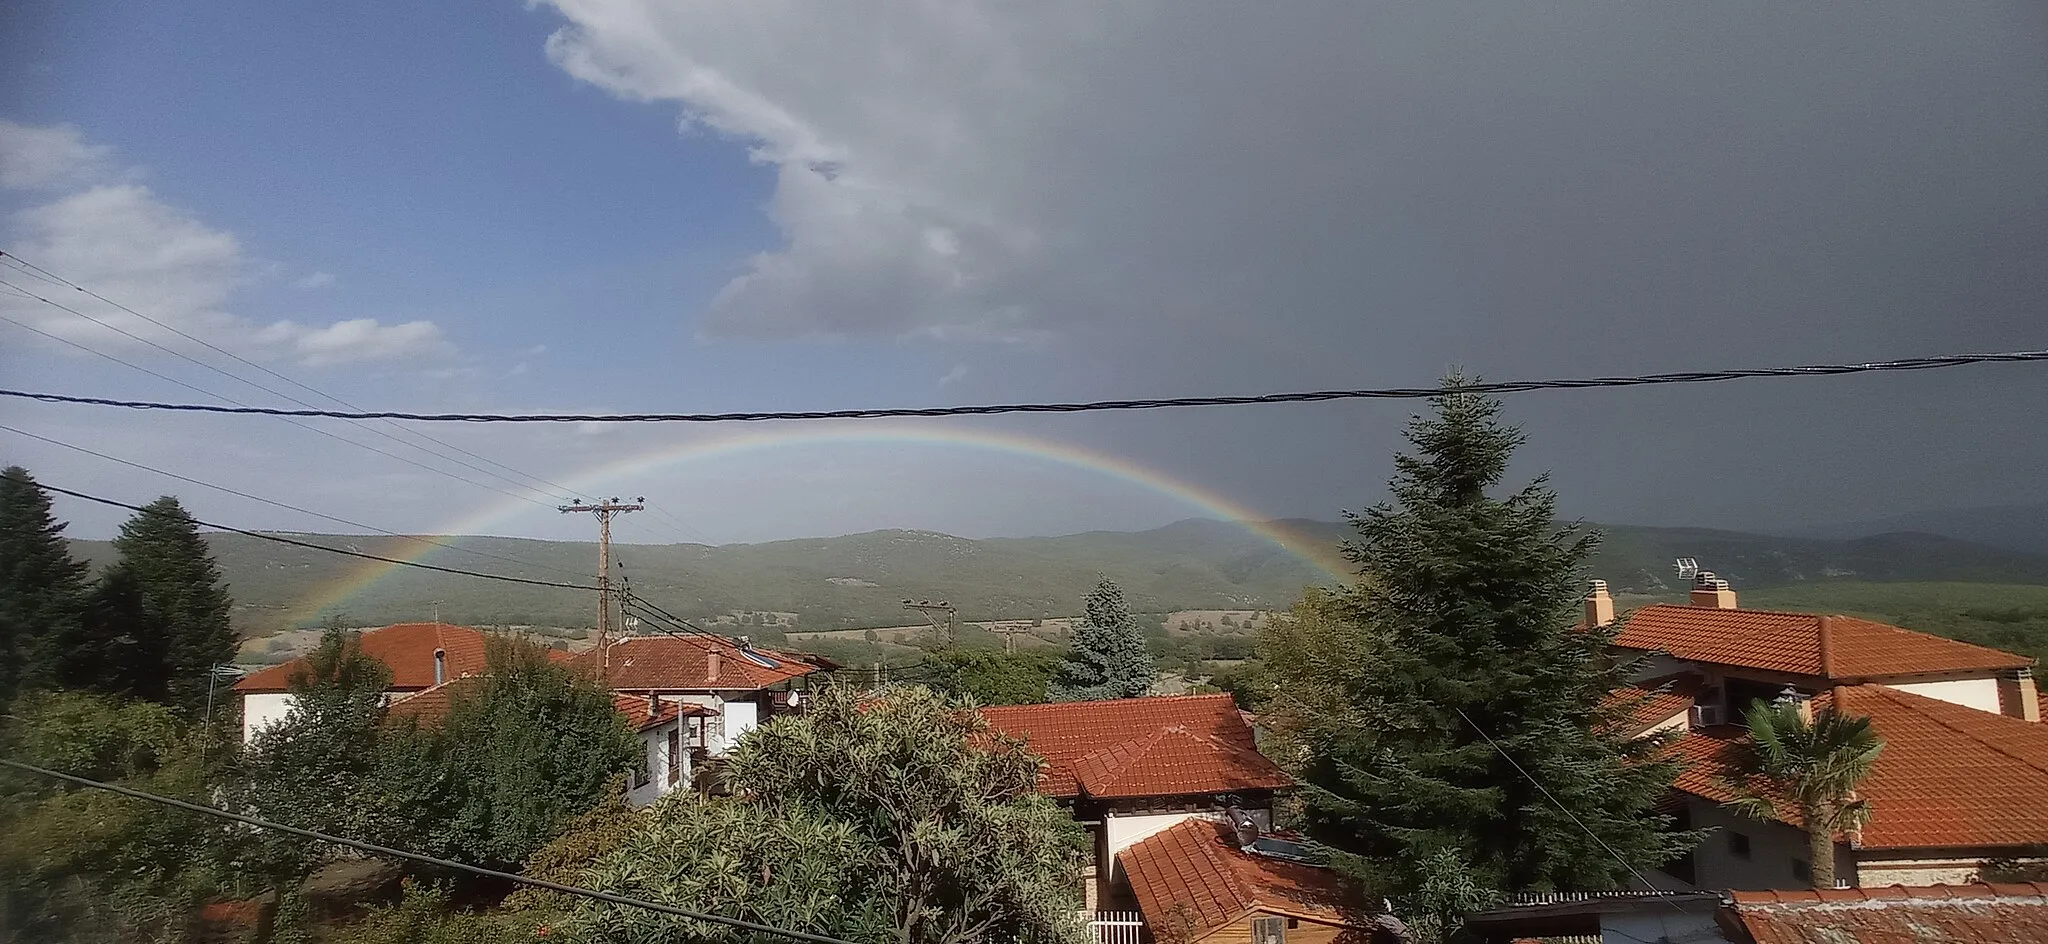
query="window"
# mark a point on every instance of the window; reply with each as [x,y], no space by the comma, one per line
[1738,845]
[1269,930]
[1801,872]
[675,755]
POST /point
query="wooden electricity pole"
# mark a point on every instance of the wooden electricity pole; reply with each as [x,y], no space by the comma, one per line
[940,615]
[604,511]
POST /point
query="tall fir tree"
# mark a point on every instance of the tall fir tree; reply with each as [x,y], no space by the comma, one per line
[1461,626]
[182,595]
[42,589]
[1109,658]
[121,648]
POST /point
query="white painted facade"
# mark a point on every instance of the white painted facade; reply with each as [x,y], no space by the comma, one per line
[263,709]
[651,781]
[1978,693]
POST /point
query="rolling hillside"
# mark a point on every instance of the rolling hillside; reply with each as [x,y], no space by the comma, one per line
[859,580]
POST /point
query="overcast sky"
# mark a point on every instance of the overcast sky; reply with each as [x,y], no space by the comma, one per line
[608,205]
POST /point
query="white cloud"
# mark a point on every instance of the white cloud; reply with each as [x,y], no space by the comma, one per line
[314,280]
[33,157]
[951,377]
[125,243]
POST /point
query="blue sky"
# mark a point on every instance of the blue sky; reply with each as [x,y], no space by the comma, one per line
[625,205]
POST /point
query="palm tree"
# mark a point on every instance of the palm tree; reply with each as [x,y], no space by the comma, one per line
[1814,764]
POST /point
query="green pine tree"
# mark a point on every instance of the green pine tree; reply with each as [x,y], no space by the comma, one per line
[182,594]
[121,644]
[1462,626]
[1109,658]
[42,589]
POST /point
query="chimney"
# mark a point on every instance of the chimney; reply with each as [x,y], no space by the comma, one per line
[440,666]
[653,705]
[2018,697]
[1599,606]
[1712,592]
[711,666]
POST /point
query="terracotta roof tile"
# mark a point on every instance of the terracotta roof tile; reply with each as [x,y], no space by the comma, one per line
[1793,642]
[1948,776]
[1125,745]
[669,664]
[1174,761]
[1939,914]
[1193,874]
[430,705]
[407,648]
[1657,700]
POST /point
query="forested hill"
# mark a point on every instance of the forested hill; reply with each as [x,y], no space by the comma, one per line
[861,579]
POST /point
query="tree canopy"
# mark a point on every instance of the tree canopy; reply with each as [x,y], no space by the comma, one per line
[1109,658]
[1815,765]
[1461,627]
[42,590]
[181,596]
[895,817]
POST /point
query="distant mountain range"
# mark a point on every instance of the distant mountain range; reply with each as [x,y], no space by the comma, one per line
[2013,527]
[860,580]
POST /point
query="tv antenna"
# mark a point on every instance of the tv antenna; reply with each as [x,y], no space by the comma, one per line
[1687,568]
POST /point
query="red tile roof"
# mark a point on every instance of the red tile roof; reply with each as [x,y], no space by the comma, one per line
[1166,746]
[430,705]
[1939,914]
[1191,879]
[1829,647]
[670,664]
[1656,701]
[407,648]
[1949,776]
[1175,762]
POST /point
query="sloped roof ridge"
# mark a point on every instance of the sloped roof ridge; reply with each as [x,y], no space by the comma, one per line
[1906,700]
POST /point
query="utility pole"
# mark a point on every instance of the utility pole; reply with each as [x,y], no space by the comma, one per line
[603,512]
[1009,633]
[932,614]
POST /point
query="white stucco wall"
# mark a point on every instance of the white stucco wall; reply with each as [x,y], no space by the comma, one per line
[1772,848]
[654,767]
[1120,832]
[1981,694]
[740,717]
[263,709]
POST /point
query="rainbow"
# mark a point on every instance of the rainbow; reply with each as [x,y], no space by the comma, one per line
[1206,502]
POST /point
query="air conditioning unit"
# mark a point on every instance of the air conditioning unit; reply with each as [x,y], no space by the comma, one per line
[1706,716]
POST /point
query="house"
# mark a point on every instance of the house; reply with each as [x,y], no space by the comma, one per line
[419,655]
[1963,777]
[1939,914]
[1745,655]
[1204,881]
[1131,768]
[738,684]
[666,761]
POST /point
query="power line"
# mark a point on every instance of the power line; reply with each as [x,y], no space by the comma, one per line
[280,539]
[287,506]
[1380,393]
[1538,784]
[53,278]
[376,849]
[239,404]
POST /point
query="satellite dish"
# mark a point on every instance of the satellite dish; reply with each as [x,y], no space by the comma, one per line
[1686,567]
